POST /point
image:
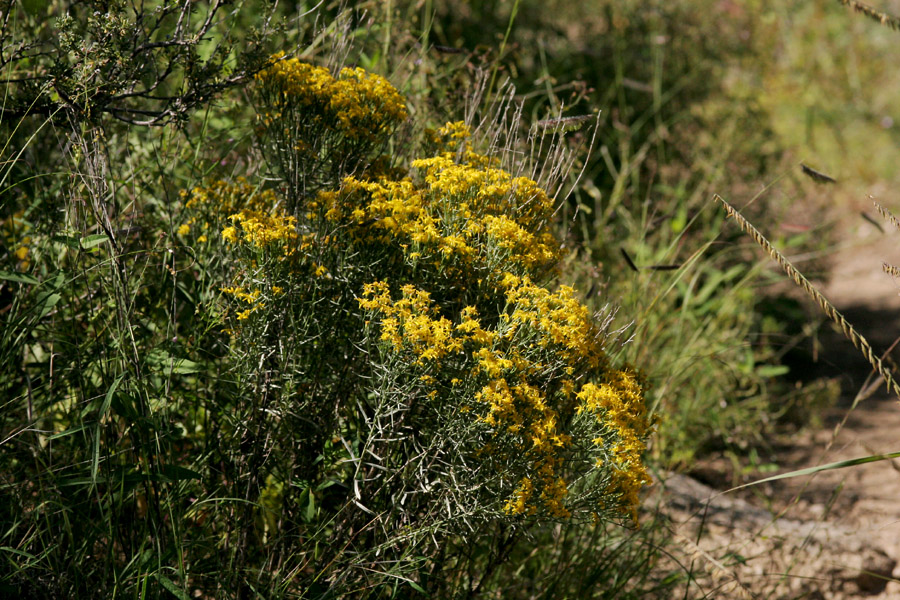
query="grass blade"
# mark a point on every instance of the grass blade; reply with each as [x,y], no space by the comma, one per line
[842,464]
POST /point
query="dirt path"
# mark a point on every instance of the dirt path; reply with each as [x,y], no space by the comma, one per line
[834,535]
[870,495]
[865,498]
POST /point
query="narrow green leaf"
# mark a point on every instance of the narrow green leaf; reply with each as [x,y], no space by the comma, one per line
[416,587]
[311,507]
[65,433]
[19,552]
[95,456]
[843,464]
[171,587]
[772,370]
[107,400]
[48,303]
[109,395]
[18,277]
[92,241]
[74,481]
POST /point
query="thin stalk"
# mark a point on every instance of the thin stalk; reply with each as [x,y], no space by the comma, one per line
[859,342]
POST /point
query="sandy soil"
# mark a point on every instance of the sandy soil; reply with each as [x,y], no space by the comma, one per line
[864,498]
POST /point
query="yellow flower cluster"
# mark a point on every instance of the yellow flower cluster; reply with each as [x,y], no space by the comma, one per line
[296,81]
[618,404]
[558,324]
[366,104]
[261,229]
[252,298]
[453,140]
[531,418]
[489,190]
[520,503]
[411,322]
[360,105]
[541,336]
[471,214]
[560,320]
[450,137]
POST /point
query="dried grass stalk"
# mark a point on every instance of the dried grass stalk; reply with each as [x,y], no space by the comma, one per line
[827,307]
[887,215]
[875,15]
[890,269]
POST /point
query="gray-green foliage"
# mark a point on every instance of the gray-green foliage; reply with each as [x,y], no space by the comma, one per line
[140,63]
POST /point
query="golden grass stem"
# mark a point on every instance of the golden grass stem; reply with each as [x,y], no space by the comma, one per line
[887,214]
[827,307]
[875,15]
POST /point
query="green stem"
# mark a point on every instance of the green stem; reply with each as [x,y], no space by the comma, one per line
[512,18]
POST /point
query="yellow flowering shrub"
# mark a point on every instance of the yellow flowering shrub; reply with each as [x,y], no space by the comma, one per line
[397,337]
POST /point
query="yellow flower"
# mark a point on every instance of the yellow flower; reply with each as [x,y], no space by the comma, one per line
[229,234]
[359,105]
[518,504]
[262,229]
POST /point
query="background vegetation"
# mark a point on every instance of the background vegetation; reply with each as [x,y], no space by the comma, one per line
[139,406]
